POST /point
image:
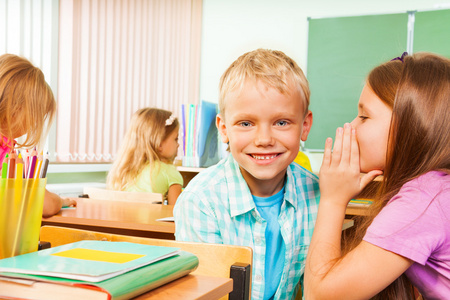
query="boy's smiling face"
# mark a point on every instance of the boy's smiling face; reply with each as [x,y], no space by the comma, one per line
[264,128]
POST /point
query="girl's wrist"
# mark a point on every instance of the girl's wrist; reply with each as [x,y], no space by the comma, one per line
[333,205]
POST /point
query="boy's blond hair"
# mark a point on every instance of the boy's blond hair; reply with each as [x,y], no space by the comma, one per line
[26,100]
[273,68]
[148,128]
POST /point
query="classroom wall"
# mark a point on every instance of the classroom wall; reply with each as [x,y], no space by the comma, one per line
[233,27]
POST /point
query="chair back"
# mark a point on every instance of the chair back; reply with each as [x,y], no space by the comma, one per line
[214,259]
[104,194]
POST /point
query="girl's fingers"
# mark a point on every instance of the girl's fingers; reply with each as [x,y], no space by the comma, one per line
[354,161]
[369,177]
[337,149]
[346,144]
[327,152]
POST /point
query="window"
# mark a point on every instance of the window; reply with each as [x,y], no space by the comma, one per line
[30,29]
[104,60]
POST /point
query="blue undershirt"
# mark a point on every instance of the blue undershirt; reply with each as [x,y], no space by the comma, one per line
[269,209]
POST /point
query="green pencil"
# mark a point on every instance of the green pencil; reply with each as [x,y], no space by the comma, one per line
[5,167]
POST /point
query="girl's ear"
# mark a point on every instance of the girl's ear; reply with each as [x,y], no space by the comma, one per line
[159,148]
[220,123]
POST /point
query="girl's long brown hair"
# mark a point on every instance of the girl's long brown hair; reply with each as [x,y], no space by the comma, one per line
[27,104]
[418,90]
[139,148]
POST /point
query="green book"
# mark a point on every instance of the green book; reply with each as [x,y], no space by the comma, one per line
[87,260]
[124,286]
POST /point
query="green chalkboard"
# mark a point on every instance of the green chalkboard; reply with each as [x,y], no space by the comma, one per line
[432,32]
[341,52]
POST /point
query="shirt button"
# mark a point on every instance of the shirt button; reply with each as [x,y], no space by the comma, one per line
[258,240]
[258,277]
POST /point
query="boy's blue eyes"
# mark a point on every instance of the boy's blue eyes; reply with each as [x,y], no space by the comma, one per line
[282,123]
[278,123]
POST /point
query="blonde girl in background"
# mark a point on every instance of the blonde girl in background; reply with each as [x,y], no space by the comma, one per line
[26,106]
[403,132]
[145,159]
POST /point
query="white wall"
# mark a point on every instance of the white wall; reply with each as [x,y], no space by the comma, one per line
[233,27]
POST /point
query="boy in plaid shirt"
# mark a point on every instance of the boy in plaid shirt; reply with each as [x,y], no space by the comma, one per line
[257,196]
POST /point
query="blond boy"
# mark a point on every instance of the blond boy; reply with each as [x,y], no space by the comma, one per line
[257,196]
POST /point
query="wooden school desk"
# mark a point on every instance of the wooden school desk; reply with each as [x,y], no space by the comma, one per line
[122,217]
[118,217]
[356,210]
[191,287]
[369,192]
[347,224]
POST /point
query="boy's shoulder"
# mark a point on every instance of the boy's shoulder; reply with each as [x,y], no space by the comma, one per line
[209,189]
[303,183]
[300,173]
[214,175]
[221,184]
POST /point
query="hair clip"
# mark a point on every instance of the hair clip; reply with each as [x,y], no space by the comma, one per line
[400,58]
[170,120]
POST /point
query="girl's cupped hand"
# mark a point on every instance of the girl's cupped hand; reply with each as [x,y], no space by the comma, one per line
[339,177]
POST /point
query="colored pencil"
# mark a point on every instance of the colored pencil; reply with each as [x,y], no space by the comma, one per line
[12,165]
[5,167]
[26,161]
[44,168]
[32,166]
[19,167]
[38,165]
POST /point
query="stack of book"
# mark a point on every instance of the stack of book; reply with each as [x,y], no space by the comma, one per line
[199,138]
[92,270]
[360,203]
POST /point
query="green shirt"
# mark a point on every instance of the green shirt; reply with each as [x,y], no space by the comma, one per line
[161,177]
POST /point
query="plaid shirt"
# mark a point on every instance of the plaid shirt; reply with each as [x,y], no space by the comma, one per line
[217,207]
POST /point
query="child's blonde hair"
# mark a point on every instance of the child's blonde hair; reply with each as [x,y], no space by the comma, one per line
[149,127]
[273,68]
[26,100]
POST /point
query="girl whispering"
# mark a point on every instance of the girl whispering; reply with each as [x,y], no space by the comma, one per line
[403,132]
[145,159]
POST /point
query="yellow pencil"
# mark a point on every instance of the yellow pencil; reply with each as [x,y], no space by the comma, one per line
[19,167]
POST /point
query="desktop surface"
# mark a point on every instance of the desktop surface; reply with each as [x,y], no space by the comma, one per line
[136,218]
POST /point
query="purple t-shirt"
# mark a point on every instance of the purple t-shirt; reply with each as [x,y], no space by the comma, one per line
[416,224]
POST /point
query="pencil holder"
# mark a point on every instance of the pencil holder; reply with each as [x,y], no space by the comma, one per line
[21,205]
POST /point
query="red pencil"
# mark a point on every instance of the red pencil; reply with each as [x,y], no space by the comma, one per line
[12,165]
